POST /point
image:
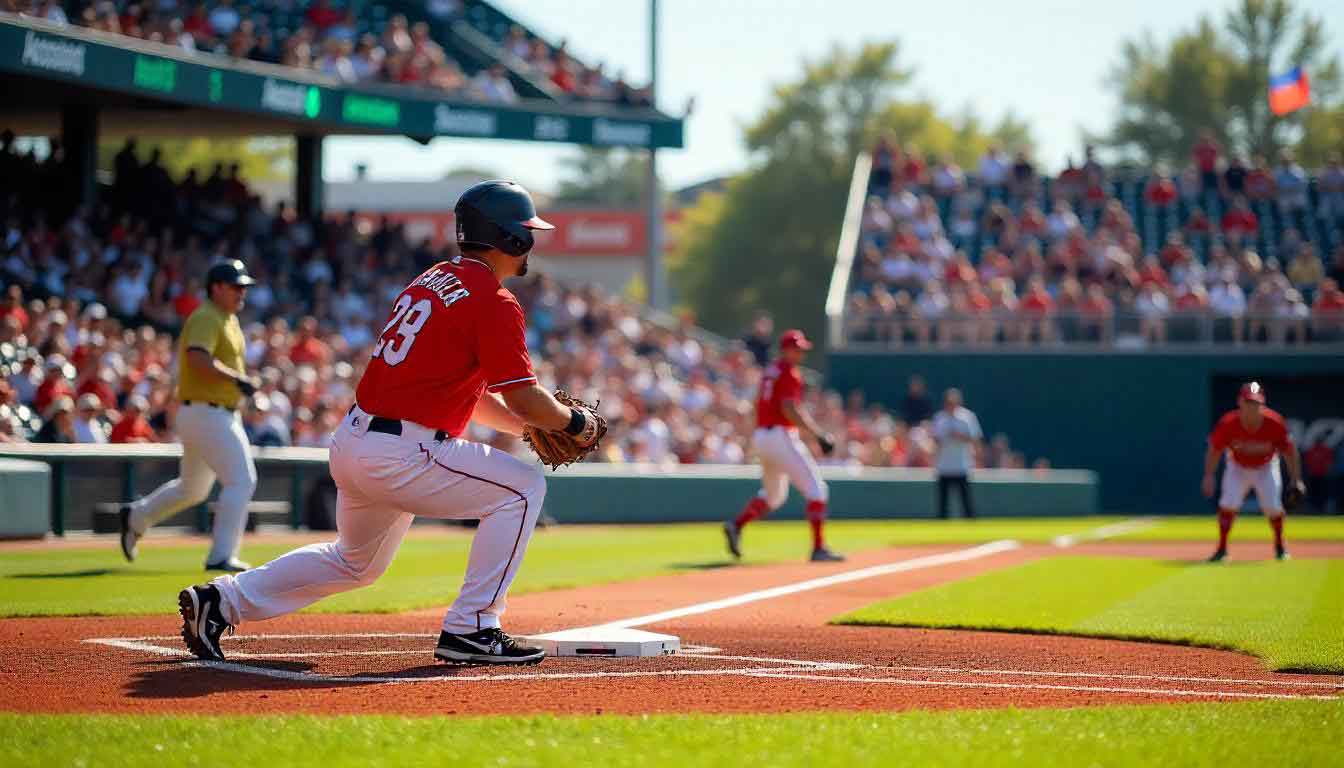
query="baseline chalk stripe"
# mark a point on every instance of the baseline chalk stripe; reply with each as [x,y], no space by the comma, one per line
[902,566]
[1106,531]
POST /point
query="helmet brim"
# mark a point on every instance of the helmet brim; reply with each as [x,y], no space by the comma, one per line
[536,222]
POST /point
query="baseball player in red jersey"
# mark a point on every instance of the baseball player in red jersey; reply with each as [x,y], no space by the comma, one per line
[1252,437]
[451,352]
[783,456]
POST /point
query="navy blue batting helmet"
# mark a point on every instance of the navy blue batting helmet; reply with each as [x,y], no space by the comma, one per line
[498,214]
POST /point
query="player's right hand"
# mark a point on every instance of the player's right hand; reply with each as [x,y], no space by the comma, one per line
[1207,486]
[248,385]
[826,443]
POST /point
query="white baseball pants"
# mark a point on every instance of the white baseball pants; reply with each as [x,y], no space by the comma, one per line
[382,482]
[213,445]
[785,459]
[1238,481]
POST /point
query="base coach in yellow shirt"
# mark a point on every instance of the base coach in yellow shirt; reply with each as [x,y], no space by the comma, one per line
[211,377]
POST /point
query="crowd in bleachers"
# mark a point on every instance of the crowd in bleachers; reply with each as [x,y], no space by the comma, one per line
[1224,250]
[92,298]
[354,42]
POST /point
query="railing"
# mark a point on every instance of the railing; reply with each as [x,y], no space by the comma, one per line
[1118,330]
[584,493]
[845,251]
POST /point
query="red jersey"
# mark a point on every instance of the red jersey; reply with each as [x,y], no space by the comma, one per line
[780,383]
[454,333]
[1251,449]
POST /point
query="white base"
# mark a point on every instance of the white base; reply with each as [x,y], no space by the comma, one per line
[606,642]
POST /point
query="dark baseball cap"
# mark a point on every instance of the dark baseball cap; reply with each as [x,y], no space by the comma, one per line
[231,271]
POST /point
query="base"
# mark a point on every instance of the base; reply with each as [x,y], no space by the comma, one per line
[606,642]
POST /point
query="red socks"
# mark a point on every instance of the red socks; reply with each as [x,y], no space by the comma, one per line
[754,509]
[1225,520]
[816,515]
[1277,524]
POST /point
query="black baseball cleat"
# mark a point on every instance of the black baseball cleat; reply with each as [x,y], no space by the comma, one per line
[1218,556]
[130,540]
[1280,553]
[231,565]
[486,646]
[824,555]
[202,622]
[734,536]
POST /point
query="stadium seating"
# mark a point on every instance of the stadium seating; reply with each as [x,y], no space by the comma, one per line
[946,257]
[469,49]
[92,299]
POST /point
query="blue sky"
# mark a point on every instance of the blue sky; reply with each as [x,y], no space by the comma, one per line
[1045,60]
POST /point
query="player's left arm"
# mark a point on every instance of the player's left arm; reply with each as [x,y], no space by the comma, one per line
[492,412]
[1294,461]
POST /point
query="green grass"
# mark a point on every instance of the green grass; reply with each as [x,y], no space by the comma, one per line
[1217,735]
[1289,613]
[1250,527]
[427,570]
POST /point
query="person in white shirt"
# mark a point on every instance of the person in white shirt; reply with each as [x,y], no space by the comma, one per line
[1228,301]
[89,426]
[957,431]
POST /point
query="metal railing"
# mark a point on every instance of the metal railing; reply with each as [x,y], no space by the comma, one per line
[1118,330]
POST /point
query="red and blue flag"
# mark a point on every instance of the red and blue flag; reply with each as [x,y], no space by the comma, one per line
[1289,91]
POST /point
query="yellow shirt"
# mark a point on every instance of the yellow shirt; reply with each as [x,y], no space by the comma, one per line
[222,336]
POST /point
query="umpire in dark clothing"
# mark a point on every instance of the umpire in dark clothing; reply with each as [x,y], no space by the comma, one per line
[957,431]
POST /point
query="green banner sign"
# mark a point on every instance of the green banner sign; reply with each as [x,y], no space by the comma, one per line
[78,57]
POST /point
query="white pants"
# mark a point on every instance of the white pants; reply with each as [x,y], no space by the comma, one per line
[1238,482]
[785,459]
[382,482]
[213,445]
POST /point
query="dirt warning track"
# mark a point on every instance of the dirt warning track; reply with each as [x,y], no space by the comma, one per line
[754,640]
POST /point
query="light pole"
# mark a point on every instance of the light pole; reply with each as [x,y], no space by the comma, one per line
[655,276]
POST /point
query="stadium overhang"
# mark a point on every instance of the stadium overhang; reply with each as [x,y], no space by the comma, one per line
[143,87]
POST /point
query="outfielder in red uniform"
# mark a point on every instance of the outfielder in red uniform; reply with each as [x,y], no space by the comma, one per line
[1252,438]
[783,456]
[451,352]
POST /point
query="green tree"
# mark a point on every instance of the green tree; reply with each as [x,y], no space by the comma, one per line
[259,159]
[768,242]
[607,177]
[1216,78]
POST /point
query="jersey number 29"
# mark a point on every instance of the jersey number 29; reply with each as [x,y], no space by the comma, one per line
[393,346]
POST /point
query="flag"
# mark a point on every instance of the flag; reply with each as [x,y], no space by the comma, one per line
[1289,91]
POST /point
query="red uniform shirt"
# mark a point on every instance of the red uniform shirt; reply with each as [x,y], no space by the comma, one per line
[454,333]
[1251,449]
[780,383]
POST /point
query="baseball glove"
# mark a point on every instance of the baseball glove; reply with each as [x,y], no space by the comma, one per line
[556,448]
[1293,495]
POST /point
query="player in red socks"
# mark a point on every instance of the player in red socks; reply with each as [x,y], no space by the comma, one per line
[1252,437]
[783,456]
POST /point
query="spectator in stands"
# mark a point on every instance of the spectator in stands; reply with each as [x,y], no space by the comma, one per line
[367,60]
[993,171]
[1205,155]
[760,339]
[58,422]
[336,60]
[1228,303]
[947,178]
[89,424]
[1038,312]
[1291,181]
[1331,189]
[1259,181]
[493,85]
[931,307]
[1024,181]
[1096,312]
[1327,312]
[916,407]
[321,15]
[1153,308]
[1160,192]
[1234,178]
[1239,221]
[1305,270]
[133,426]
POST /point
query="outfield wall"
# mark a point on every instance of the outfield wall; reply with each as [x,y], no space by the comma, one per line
[85,477]
[1139,419]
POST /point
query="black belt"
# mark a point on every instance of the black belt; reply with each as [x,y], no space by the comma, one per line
[208,404]
[393,426]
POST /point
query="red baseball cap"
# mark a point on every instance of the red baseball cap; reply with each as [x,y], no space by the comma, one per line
[1252,391]
[794,339]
